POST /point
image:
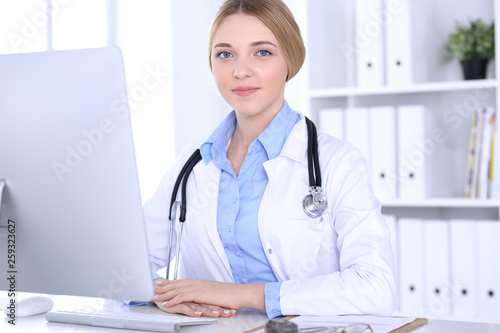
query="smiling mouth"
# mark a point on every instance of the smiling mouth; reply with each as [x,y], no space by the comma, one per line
[245,91]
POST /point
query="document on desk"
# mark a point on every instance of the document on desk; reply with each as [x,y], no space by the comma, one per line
[378,324]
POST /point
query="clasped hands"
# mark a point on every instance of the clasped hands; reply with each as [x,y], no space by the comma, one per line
[214,299]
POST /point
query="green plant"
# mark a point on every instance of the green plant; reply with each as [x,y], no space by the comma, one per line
[477,40]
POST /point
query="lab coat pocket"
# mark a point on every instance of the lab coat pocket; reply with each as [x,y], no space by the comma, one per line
[304,240]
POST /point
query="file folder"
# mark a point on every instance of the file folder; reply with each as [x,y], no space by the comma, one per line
[398,43]
[369,43]
[437,278]
[411,268]
[488,271]
[383,152]
[484,155]
[358,130]
[331,121]
[425,160]
[464,269]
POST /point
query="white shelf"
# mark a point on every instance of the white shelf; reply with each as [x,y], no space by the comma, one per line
[444,208]
[444,202]
[430,87]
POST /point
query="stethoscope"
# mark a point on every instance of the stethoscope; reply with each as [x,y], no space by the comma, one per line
[314,204]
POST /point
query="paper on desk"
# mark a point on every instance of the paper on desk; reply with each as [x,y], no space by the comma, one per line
[378,324]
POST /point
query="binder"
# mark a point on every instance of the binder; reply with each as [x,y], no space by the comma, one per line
[357,130]
[331,121]
[484,155]
[383,152]
[488,272]
[479,153]
[470,177]
[369,43]
[411,268]
[436,260]
[492,174]
[424,155]
[392,224]
[463,269]
[398,44]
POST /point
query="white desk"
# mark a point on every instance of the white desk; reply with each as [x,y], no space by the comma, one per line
[243,321]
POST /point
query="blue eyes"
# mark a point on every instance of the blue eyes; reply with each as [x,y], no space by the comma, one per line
[226,54]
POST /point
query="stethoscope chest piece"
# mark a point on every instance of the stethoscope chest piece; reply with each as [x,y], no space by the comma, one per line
[315,203]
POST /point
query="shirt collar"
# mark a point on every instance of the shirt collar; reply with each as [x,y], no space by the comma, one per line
[216,144]
[276,133]
[272,138]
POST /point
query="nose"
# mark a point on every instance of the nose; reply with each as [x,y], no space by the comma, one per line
[242,69]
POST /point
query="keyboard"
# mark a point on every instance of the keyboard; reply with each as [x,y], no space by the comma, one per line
[162,322]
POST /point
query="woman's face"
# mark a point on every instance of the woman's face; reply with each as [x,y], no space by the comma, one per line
[248,66]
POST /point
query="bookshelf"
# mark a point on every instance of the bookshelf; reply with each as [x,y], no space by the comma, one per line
[437,85]
[443,209]
[463,224]
[429,87]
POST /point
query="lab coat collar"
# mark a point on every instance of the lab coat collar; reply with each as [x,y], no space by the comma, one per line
[295,146]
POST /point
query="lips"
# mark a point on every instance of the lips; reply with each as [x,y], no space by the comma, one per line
[245,91]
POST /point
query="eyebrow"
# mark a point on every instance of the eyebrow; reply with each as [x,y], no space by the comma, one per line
[257,43]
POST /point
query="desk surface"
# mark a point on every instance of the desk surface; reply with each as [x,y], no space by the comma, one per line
[245,320]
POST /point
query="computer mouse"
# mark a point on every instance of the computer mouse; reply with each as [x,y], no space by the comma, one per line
[30,306]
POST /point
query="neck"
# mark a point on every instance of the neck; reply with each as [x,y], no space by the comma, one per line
[248,128]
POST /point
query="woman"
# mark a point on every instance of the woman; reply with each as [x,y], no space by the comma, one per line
[247,242]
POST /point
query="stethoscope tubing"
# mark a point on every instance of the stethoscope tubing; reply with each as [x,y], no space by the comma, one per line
[314,186]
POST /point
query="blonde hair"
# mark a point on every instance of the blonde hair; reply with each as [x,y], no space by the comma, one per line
[277,17]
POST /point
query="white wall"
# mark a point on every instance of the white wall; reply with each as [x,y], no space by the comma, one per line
[142,33]
[198,108]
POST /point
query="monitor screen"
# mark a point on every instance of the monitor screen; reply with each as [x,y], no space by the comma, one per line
[71,218]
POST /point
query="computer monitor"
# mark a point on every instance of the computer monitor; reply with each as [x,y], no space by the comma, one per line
[71,214]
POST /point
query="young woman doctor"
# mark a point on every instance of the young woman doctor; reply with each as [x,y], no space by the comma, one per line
[247,242]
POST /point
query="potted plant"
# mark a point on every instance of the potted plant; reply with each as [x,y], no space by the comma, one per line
[473,45]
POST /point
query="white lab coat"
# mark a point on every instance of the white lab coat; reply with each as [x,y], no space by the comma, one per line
[339,263]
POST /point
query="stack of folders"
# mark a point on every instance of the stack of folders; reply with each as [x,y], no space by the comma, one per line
[404,147]
[444,267]
[480,174]
[383,42]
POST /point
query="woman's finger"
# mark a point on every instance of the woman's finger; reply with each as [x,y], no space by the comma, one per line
[191,309]
[223,311]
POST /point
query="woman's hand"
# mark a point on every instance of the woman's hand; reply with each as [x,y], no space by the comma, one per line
[193,309]
[197,310]
[224,295]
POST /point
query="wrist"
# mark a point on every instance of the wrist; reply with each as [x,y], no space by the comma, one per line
[252,296]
